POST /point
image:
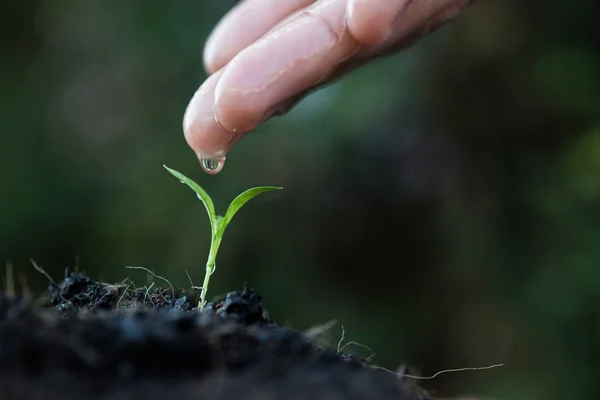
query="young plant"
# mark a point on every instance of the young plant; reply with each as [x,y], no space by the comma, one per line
[217,223]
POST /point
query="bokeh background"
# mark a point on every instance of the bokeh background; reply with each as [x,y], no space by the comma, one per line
[443,205]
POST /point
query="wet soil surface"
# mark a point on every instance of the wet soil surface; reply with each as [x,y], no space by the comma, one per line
[102,341]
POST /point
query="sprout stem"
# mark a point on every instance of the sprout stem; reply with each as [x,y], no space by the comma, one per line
[204,287]
[210,267]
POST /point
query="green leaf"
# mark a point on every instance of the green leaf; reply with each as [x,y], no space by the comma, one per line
[242,199]
[202,195]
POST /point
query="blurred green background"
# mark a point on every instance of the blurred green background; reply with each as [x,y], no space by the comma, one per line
[443,204]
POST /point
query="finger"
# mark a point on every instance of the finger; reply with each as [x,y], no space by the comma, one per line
[202,131]
[371,21]
[243,25]
[283,63]
[419,18]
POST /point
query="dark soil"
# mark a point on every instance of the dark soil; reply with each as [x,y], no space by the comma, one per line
[101,341]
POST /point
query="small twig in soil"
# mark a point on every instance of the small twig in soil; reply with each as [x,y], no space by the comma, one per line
[123,295]
[401,375]
[10,281]
[41,270]
[154,275]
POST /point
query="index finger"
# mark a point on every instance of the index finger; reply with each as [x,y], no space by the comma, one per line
[243,25]
[283,63]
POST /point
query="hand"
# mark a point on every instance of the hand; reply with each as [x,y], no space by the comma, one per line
[265,55]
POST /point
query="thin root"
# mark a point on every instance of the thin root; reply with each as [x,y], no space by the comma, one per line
[41,270]
[123,295]
[339,347]
[154,275]
[191,282]
[440,372]
[147,291]
[352,343]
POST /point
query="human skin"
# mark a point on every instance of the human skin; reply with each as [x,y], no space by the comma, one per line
[266,55]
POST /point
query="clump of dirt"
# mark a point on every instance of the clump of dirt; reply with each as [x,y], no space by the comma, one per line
[77,293]
[102,341]
[244,307]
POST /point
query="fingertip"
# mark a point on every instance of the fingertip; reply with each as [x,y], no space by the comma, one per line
[243,25]
[371,22]
[362,25]
[202,131]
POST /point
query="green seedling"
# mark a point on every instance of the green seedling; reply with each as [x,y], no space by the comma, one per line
[217,223]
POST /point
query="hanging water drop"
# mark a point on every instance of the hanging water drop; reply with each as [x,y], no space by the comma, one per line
[212,166]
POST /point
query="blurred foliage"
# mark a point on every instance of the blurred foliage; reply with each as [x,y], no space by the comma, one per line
[442,204]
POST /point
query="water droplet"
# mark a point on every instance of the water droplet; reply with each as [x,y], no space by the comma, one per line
[212,166]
